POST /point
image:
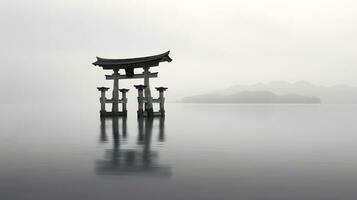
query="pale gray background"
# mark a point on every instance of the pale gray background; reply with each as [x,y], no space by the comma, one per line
[48,46]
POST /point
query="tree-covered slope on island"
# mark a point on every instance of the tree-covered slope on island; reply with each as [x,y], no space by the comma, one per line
[252,97]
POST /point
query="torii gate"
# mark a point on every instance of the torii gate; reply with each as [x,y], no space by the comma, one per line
[129,65]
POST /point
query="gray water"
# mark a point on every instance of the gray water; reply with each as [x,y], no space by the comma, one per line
[196,152]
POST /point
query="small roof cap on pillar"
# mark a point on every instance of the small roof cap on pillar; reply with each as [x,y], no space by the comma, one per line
[161,88]
[140,87]
[124,90]
[102,88]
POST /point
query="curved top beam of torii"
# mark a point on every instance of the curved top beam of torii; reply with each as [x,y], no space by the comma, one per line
[130,63]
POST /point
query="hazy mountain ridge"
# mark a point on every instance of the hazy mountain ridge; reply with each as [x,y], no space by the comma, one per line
[252,97]
[327,94]
[338,94]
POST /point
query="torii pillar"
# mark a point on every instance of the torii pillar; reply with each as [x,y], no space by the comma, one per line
[148,104]
[115,97]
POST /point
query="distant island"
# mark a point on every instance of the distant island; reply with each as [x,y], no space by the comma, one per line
[265,97]
[301,92]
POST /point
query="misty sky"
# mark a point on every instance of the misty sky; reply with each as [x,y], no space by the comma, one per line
[47,47]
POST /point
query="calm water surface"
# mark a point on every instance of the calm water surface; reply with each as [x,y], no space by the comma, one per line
[196,152]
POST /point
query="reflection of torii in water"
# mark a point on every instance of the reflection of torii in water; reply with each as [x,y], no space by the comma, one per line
[132,161]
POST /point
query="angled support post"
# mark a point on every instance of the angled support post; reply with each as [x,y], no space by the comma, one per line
[124,100]
[141,99]
[102,99]
[161,99]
